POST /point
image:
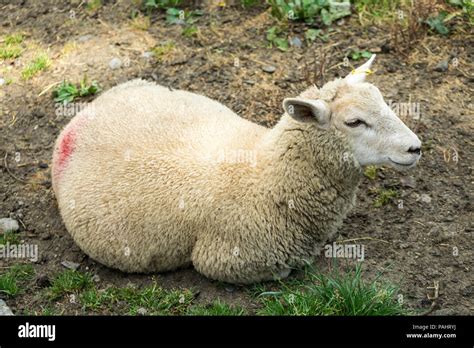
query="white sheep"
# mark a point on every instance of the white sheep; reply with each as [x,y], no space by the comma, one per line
[150,179]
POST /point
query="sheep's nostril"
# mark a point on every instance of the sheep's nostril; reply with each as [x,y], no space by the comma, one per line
[416,150]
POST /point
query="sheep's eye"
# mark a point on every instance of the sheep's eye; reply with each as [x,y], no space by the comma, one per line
[355,123]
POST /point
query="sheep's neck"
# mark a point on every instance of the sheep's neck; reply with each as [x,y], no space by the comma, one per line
[310,174]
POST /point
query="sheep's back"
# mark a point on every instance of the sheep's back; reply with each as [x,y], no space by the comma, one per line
[135,170]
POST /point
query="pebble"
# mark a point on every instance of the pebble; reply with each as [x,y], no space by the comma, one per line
[2,81]
[296,42]
[408,181]
[425,198]
[96,278]
[115,63]
[468,291]
[142,311]
[147,55]
[84,38]
[8,224]
[4,309]
[269,69]
[70,265]
[441,66]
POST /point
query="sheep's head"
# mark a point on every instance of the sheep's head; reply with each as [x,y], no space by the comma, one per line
[356,108]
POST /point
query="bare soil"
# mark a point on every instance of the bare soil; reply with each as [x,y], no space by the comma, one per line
[422,237]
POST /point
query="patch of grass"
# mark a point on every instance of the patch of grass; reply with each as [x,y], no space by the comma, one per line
[376,10]
[154,299]
[467,7]
[40,63]
[141,22]
[310,10]
[14,39]
[162,51]
[191,31]
[9,237]
[332,294]
[93,5]
[216,308]
[68,282]
[14,277]
[371,172]
[66,92]
[11,47]
[249,3]
[10,51]
[384,196]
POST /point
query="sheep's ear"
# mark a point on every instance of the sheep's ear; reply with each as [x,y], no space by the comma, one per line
[359,74]
[307,110]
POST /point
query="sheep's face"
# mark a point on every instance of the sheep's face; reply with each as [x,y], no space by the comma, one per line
[374,132]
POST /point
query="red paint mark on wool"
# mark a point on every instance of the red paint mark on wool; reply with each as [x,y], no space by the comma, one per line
[66,148]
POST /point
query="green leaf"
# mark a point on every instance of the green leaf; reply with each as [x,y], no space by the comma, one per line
[281,44]
[437,24]
[312,34]
[326,17]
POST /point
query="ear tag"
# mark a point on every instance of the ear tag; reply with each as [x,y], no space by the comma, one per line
[367,71]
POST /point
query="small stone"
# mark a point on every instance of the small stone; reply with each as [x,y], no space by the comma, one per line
[2,81]
[84,38]
[296,42]
[8,224]
[468,291]
[408,181]
[4,309]
[391,69]
[425,198]
[115,63]
[441,66]
[269,69]
[96,278]
[375,49]
[142,311]
[147,55]
[70,265]
[249,82]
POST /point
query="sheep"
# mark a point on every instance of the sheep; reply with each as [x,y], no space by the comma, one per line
[150,179]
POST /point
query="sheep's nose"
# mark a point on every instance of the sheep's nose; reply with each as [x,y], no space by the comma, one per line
[416,150]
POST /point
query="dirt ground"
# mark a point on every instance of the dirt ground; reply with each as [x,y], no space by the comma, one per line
[422,237]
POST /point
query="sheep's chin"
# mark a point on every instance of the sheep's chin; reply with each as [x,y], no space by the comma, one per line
[401,166]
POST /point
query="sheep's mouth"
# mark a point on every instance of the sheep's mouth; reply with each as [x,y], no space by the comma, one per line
[402,164]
